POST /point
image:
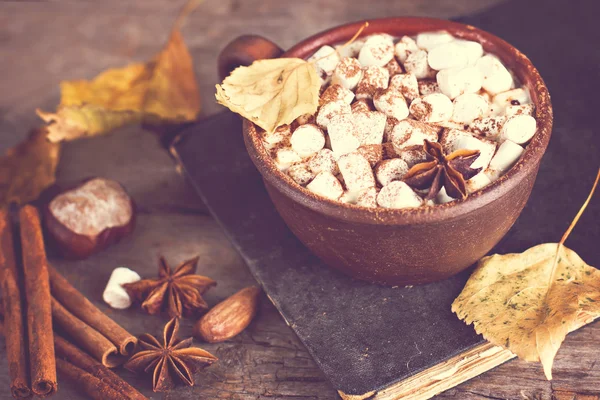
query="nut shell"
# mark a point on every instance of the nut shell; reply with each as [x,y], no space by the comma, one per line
[230,317]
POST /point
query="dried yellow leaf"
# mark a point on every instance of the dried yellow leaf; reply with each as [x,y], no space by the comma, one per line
[28,168]
[510,301]
[164,89]
[271,93]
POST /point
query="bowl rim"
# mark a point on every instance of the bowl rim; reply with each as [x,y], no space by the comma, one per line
[515,61]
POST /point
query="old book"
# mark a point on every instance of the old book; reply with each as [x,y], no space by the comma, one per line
[378,342]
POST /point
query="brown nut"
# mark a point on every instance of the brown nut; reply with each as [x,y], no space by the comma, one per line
[229,317]
[89,217]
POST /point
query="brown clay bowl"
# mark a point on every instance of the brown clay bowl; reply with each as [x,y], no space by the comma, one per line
[409,246]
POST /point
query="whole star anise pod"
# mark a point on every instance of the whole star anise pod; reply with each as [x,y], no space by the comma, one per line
[450,171]
[180,292]
[173,359]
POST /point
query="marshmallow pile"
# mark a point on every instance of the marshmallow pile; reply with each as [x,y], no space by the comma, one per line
[382,97]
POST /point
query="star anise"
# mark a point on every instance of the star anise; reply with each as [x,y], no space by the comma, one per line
[179,292]
[174,359]
[450,171]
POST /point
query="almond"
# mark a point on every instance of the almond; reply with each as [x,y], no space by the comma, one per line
[229,317]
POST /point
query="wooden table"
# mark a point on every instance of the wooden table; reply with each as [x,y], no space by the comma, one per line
[43,42]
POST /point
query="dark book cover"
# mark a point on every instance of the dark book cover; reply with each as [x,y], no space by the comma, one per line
[368,337]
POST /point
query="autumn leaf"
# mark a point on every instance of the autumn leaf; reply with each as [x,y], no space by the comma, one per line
[528,302]
[271,93]
[164,89]
[28,168]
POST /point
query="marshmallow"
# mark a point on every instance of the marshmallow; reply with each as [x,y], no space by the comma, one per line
[336,92]
[413,155]
[454,139]
[519,128]
[428,86]
[429,40]
[404,48]
[370,126]
[326,185]
[356,171]
[374,78]
[367,197]
[393,67]
[330,110]
[416,63]
[456,81]
[300,173]
[496,78]
[407,84]
[473,50]
[468,107]
[378,50]
[361,106]
[507,155]
[390,170]
[513,97]
[388,151]
[114,295]
[398,194]
[477,182]
[523,109]
[350,50]
[391,102]
[270,139]
[448,55]
[284,157]
[372,152]
[347,73]
[489,127]
[409,132]
[323,161]
[343,134]
[390,123]
[432,108]
[442,197]
[307,140]
[325,60]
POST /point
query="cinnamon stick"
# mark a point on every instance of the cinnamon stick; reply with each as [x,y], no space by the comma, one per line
[85,336]
[92,386]
[13,312]
[39,314]
[82,360]
[82,308]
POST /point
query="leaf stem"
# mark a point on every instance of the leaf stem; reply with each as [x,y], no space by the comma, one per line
[348,43]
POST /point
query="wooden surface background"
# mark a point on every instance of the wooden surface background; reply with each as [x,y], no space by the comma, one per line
[44,42]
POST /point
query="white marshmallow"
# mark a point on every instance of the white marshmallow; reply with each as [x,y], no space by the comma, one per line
[323,161]
[477,182]
[300,173]
[326,185]
[448,55]
[407,84]
[525,109]
[474,50]
[326,60]
[442,197]
[374,79]
[378,50]
[390,170]
[352,49]
[428,86]
[468,107]
[367,197]
[357,172]
[433,107]
[347,73]
[429,40]
[409,132]
[496,78]
[370,126]
[519,128]
[343,135]
[307,140]
[507,155]
[114,295]
[329,110]
[270,139]
[391,102]
[456,81]
[405,46]
[284,157]
[489,127]
[336,92]
[506,99]
[398,194]
[413,155]
[416,63]
[454,139]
